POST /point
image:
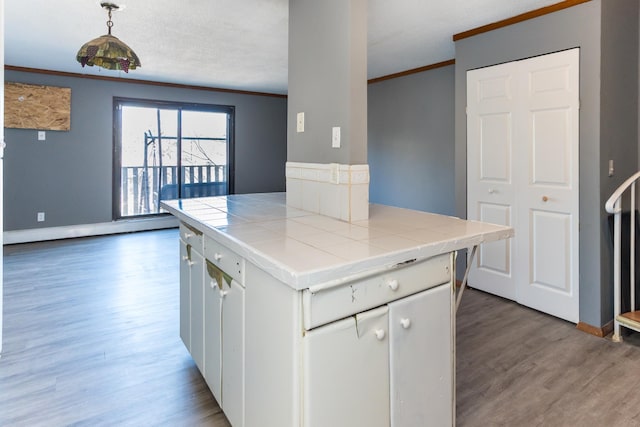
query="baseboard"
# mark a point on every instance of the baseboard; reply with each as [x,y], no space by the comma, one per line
[85,230]
[594,330]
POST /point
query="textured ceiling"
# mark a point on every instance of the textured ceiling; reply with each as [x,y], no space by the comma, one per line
[235,44]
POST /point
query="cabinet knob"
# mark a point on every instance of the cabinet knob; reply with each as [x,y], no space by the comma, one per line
[223,293]
[492,191]
[545,199]
[188,235]
[185,258]
[217,256]
[405,323]
[212,284]
[380,334]
[393,284]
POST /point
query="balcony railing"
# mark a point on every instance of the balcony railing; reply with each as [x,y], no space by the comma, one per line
[142,188]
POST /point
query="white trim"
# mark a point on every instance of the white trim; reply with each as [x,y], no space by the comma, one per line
[85,230]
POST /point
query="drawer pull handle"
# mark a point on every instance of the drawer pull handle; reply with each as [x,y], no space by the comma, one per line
[406,323]
[380,334]
[217,256]
[393,285]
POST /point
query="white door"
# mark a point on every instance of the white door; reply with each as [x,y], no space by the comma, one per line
[421,359]
[233,353]
[542,157]
[185,294]
[196,294]
[346,372]
[213,297]
[549,211]
[491,197]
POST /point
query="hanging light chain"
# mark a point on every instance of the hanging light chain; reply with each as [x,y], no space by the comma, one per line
[109,22]
[109,7]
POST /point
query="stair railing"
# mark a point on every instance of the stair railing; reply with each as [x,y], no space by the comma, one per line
[614,206]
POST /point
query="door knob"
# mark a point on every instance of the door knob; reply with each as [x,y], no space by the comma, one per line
[405,323]
[545,199]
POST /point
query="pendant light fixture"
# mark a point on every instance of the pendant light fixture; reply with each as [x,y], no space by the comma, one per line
[108,51]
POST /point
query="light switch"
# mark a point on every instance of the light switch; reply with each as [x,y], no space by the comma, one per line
[42,135]
[300,122]
[335,137]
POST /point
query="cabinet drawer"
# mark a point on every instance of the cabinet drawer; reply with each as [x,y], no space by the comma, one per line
[225,259]
[336,303]
[191,236]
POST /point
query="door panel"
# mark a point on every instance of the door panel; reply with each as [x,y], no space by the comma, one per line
[346,372]
[550,194]
[213,335]
[551,250]
[551,148]
[233,354]
[522,170]
[490,186]
[185,294]
[495,256]
[421,358]
[197,309]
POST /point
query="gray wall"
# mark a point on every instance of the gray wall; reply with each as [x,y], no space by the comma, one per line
[328,80]
[411,134]
[69,176]
[580,26]
[618,117]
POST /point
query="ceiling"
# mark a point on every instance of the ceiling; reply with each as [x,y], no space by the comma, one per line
[234,44]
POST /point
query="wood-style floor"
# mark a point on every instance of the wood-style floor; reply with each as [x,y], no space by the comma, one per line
[91,338]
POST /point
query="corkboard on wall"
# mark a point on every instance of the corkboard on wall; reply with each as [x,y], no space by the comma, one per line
[37,107]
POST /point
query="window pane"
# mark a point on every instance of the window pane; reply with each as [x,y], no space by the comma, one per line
[168,151]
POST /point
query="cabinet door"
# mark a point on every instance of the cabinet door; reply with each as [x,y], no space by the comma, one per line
[233,353]
[422,359]
[185,297]
[346,372]
[197,309]
[213,336]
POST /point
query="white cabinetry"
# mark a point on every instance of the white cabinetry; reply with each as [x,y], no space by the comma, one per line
[212,317]
[421,358]
[191,293]
[224,342]
[376,350]
[346,372]
[391,365]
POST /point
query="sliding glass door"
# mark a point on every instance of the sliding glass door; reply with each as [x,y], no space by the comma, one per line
[167,151]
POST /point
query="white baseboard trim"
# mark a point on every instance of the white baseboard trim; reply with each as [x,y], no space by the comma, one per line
[85,230]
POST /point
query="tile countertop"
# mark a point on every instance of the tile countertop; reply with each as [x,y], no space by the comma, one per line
[307,250]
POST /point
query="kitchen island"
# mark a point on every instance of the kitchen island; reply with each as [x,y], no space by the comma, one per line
[298,319]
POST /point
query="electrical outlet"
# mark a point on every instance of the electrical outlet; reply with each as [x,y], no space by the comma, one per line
[335,137]
[40,216]
[300,122]
[42,135]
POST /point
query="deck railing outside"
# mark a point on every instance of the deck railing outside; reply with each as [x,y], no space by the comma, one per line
[142,188]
